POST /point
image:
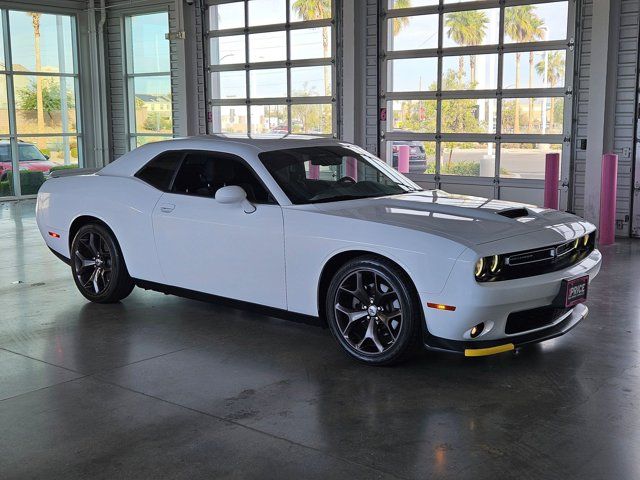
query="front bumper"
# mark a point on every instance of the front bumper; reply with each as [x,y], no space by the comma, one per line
[492,303]
[491,347]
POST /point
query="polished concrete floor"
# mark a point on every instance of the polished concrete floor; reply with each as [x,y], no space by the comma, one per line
[162,387]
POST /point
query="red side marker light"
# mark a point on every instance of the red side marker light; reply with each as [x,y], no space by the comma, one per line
[54,234]
[441,306]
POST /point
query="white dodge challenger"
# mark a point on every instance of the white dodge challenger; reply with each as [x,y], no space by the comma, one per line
[315,227]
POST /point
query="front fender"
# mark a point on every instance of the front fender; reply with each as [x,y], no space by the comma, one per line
[311,242]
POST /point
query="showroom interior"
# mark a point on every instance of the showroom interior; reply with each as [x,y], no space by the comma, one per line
[469,97]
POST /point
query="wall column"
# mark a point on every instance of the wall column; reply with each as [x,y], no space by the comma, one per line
[601,99]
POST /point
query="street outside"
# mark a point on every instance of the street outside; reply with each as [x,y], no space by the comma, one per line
[514,163]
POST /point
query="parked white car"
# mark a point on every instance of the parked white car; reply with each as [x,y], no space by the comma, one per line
[318,227]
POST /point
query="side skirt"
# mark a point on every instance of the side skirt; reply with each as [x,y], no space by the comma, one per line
[229,302]
[60,256]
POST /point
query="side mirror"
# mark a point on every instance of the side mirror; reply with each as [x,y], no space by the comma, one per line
[47,157]
[233,194]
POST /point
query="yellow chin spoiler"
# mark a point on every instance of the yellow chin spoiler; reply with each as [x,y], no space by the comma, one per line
[481,352]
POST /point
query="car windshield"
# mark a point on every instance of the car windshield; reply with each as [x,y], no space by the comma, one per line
[332,173]
[26,153]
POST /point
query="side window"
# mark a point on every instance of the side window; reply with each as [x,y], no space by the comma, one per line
[159,171]
[204,173]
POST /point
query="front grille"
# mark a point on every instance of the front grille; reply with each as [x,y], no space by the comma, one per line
[528,263]
[526,320]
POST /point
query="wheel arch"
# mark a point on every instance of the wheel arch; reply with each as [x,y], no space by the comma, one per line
[332,265]
[83,220]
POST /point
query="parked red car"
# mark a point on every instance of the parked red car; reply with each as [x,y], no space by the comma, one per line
[29,158]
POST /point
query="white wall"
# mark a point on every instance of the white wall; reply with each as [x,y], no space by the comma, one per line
[613,80]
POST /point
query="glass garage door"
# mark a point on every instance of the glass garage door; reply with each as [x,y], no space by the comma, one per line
[476,93]
[272,66]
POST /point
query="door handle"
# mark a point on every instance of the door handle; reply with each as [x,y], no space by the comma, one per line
[167,207]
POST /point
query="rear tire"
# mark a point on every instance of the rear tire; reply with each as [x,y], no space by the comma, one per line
[373,311]
[98,266]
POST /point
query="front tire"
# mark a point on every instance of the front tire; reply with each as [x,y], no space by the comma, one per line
[373,311]
[98,266]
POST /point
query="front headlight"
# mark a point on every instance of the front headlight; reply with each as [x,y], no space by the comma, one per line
[495,264]
[479,267]
[486,267]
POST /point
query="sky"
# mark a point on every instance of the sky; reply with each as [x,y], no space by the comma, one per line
[422,32]
[22,41]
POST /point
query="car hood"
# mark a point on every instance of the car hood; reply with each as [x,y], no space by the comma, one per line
[465,219]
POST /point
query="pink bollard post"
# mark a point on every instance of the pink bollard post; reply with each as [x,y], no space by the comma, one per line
[608,189]
[352,168]
[403,158]
[314,172]
[551,175]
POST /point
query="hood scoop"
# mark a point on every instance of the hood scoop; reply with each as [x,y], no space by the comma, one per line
[514,213]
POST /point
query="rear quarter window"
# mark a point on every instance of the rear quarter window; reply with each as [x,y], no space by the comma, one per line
[160,171]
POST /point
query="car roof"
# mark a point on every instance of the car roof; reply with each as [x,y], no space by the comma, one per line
[242,145]
[270,142]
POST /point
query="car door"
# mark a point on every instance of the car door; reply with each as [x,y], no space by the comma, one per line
[215,248]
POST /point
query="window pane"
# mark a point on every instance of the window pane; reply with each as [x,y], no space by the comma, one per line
[266,12]
[159,172]
[2,47]
[312,118]
[525,160]
[60,150]
[311,81]
[227,50]
[144,139]
[412,116]
[471,27]
[422,155]
[305,10]
[409,33]
[227,15]
[412,74]
[267,47]
[469,116]
[411,3]
[229,84]
[270,82]
[470,72]
[6,169]
[149,48]
[269,119]
[49,35]
[56,114]
[152,98]
[532,115]
[229,119]
[4,106]
[34,167]
[468,159]
[533,23]
[311,43]
[534,69]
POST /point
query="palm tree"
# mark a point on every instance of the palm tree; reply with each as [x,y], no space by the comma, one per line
[315,10]
[467,29]
[537,31]
[521,24]
[551,69]
[35,18]
[400,22]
